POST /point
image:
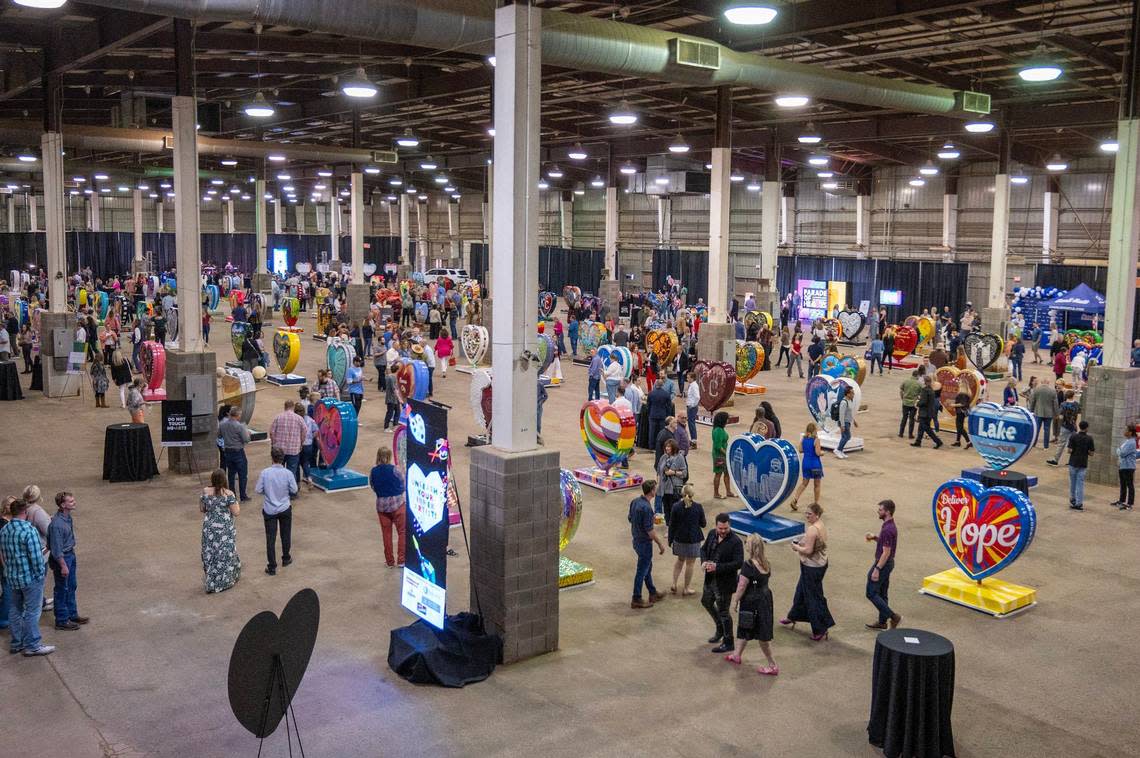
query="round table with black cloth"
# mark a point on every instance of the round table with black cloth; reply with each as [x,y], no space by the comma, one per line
[128,455]
[10,381]
[912,693]
[1005,478]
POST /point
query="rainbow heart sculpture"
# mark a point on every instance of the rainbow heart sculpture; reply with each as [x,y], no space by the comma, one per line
[983,530]
[608,432]
[749,360]
[625,358]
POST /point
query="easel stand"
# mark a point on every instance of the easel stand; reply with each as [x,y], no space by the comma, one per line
[279,683]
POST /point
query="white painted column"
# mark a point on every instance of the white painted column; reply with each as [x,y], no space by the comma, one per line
[393,221]
[863,221]
[405,231]
[228,218]
[514,249]
[278,225]
[1123,241]
[456,244]
[33,212]
[260,232]
[422,252]
[489,212]
[159,214]
[1051,223]
[664,219]
[51,150]
[299,215]
[334,229]
[137,222]
[950,221]
[787,220]
[566,221]
[769,230]
[320,209]
[12,213]
[719,233]
[356,225]
[999,242]
[188,239]
[611,231]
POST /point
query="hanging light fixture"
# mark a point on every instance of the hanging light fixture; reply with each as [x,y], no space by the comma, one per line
[753,186]
[597,182]
[810,135]
[407,139]
[917,182]
[26,156]
[661,181]
[259,107]
[372,170]
[577,153]
[1056,163]
[358,85]
[1110,146]
[628,168]
[395,181]
[441,179]
[1040,67]
[736,176]
[554,172]
[829,185]
[229,162]
[579,189]
[543,184]
[623,116]
[750,12]
[818,160]
[490,131]
[792,101]
[929,169]
[824,174]
[678,145]
[979,127]
[948,152]
[41,4]
[1019,178]
[276,157]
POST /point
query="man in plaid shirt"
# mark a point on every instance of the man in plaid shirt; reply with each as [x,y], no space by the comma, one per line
[24,570]
[287,434]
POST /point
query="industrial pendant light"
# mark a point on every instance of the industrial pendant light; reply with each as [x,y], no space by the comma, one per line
[1057,163]
[407,139]
[928,169]
[623,116]
[979,126]
[948,152]
[750,12]
[1040,67]
[358,85]
[810,135]
[554,172]
[577,153]
[1110,146]
[41,4]
[259,107]
[792,101]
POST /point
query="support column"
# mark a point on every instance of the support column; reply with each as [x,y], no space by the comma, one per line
[566,220]
[228,219]
[359,294]
[33,212]
[299,217]
[405,234]
[994,314]
[717,332]
[160,214]
[261,234]
[1124,237]
[515,493]
[187,236]
[863,221]
[788,215]
[137,263]
[611,231]
[11,207]
[57,383]
[393,221]
[664,219]
[334,230]
[321,218]
[278,226]
[422,252]
[768,298]
[456,253]
[950,214]
[1051,218]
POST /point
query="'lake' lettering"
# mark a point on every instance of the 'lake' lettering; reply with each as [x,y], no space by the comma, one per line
[996,431]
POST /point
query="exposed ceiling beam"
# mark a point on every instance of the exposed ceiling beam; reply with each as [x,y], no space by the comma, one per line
[1082,48]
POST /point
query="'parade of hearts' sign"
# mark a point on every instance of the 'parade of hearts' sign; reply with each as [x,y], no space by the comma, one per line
[983,530]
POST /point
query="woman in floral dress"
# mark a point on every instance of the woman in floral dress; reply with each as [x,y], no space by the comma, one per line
[220,560]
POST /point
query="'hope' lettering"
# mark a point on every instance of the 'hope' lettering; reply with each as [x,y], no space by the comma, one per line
[967,535]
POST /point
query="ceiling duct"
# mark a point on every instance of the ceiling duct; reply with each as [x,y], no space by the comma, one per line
[569,40]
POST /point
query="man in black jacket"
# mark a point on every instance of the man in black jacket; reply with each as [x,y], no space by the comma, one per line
[927,411]
[722,556]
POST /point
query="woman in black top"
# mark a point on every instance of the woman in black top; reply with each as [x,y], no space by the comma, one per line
[770,413]
[685,536]
[961,411]
[754,600]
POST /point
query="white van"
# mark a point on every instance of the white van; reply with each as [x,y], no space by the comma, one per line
[457,275]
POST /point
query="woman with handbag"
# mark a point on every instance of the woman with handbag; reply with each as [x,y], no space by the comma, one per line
[754,600]
[685,537]
[672,472]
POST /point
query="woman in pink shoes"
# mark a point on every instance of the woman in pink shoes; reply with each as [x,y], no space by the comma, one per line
[754,600]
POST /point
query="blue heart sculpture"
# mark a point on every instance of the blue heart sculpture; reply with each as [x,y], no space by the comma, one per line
[983,530]
[625,358]
[816,392]
[763,471]
[1001,434]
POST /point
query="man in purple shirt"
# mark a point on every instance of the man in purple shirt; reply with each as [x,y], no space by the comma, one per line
[879,577]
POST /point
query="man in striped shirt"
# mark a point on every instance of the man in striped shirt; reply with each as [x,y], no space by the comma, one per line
[24,571]
[287,433]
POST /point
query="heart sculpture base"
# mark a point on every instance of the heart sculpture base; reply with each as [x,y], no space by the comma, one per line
[992,375]
[284,380]
[859,342]
[478,440]
[293,329]
[321,337]
[705,418]
[991,596]
[770,527]
[607,481]
[466,369]
[235,364]
[156,395]
[981,474]
[572,574]
[830,441]
[549,382]
[909,362]
[580,361]
[331,480]
[750,389]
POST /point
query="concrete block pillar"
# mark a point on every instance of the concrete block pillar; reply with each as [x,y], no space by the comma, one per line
[356,225]
[1123,241]
[188,240]
[334,229]
[611,230]
[405,231]
[719,194]
[260,232]
[51,146]
[57,382]
[137,223]
[514,514]
[358,300]
[202,455]
[1111,402]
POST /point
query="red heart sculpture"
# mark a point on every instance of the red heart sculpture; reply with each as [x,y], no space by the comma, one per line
[906,340]
[406,380]
[954,381]
[716,380]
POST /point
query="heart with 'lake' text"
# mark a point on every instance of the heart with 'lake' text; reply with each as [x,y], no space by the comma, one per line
[1001,434]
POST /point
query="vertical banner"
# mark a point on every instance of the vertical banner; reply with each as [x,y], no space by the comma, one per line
[426,528]
[176,428]
[813,299]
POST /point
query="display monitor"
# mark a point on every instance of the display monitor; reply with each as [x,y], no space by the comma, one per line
[281,261]
[426,527]
[890,297]
[813,299]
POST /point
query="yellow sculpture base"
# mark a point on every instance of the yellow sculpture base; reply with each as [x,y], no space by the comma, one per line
[750,389]
[573,574]
[992,596]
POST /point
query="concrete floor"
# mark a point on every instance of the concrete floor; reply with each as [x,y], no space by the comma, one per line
[148,675]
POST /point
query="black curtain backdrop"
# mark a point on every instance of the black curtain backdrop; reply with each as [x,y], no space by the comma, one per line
[562,266]
[690,266]
[480,262]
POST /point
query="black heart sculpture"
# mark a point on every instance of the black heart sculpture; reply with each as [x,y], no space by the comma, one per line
[982,349]
[263,640]
[852,323]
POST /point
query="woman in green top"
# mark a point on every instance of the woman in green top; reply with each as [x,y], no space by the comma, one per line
[720,455]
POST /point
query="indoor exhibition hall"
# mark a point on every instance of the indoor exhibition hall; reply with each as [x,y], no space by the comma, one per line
[696,378]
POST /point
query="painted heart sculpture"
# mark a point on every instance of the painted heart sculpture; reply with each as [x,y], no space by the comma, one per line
[336,431]
[749,360]
[290,310]
[474,340]
[854,367]
[1001,434]
[832,329]
[546,303]
[287,350]
[830,365]
[762,319]
[717,382]
[925,328]
[590,302]
[938,358]
[239,332]
[213,297]
[426,498]
[479,394]
[412,380]
[982,349]
[571,508]
[821,392]
[608,432]
[625,358]
[764,471]
[237,297]
[955,380]
[852,323]
[592,335]
[153,359]
[984,530]
[369,269]
[338,357]
[906,340]
[544,349]
[572,295]
[263,641]
[664,344]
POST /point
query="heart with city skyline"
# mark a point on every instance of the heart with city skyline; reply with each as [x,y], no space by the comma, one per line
[763,471]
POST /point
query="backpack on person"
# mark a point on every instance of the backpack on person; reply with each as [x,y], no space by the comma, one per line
[835,410]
